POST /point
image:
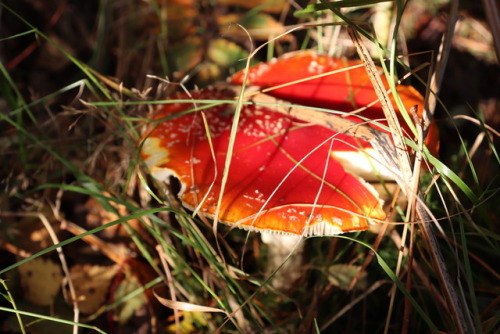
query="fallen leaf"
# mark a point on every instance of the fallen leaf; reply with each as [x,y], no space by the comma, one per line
[226,53]
[188,323]
[92,285]
[41,280]
[128,308]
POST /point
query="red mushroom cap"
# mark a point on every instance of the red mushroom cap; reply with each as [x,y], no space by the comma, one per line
[344,91]
[282,177]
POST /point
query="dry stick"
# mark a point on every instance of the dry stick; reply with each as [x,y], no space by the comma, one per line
[410,217]
[64,265]
[441,61]
[170,284]
[490,8]
[423,213]
[403,158]
[56,209]
[416,173]
[330,121]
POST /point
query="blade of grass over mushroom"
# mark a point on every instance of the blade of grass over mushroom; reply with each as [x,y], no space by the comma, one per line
[337,123]
[214,159]
[230,146]
[387,107]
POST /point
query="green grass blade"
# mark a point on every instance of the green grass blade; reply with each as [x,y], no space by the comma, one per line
[46,317]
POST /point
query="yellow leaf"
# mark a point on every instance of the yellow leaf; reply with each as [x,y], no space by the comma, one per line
[225,53]
[188,322]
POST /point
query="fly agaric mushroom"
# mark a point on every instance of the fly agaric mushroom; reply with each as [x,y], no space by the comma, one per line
[282,178]
[348,89]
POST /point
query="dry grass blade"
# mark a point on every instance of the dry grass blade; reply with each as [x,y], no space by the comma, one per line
[187,307]
[390,113]
[327,120]
[491,7]
[442,59]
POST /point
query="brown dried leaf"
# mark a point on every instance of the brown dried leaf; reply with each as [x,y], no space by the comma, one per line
[96,216]
[41,280]
[92,284]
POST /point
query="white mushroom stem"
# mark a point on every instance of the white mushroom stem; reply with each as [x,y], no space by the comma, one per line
[284,258]
[365,163]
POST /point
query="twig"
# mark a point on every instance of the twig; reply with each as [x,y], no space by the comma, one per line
[441,61]
[490,8]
